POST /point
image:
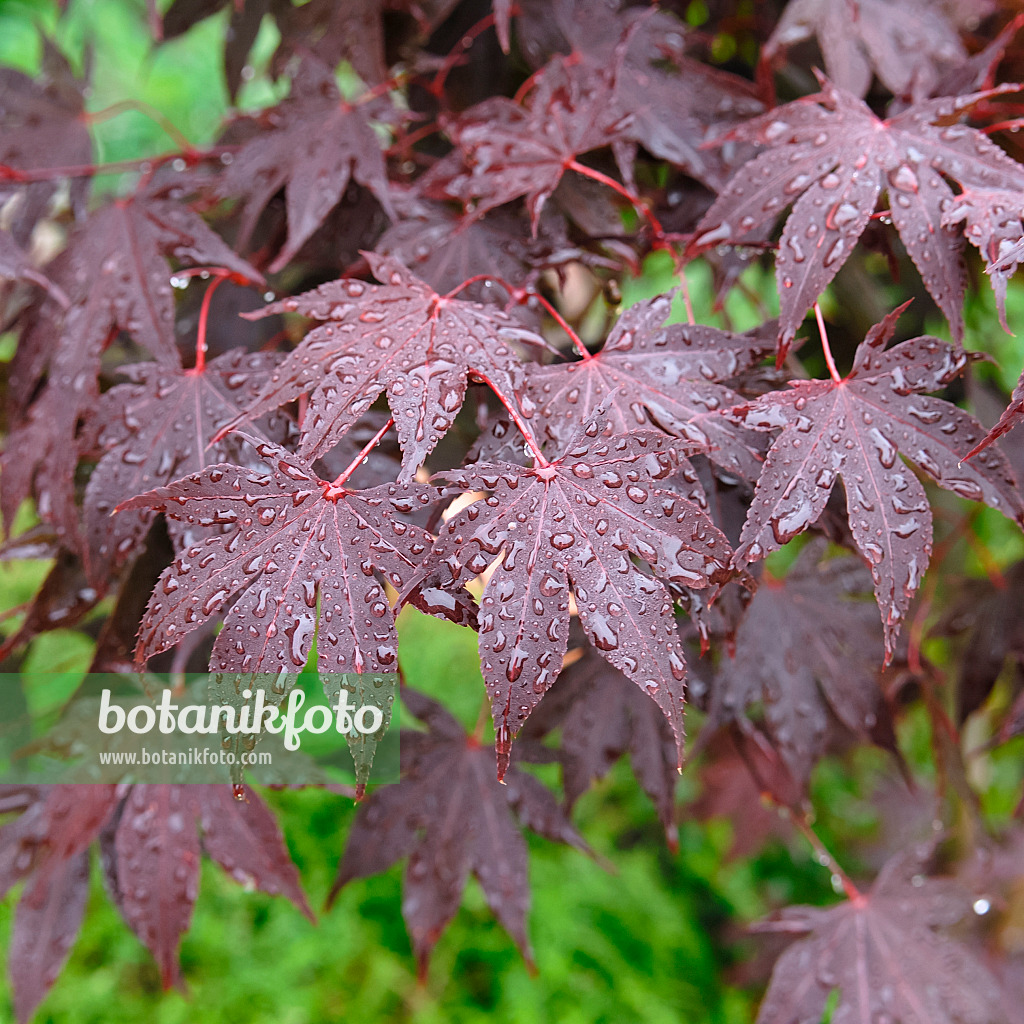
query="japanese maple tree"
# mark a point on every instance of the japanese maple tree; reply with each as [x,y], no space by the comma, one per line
[367,351]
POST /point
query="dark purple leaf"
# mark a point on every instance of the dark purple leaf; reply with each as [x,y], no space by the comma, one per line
[669,375]
[807,654]
[400,337]
[568,527]
[43,124]
[830,157]
[857,428]
[451,817]
[884,954]
[318,141]
[158,428]
[907,45]
[295,542]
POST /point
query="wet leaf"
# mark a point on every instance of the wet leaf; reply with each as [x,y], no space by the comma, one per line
[400,337]
[856,429]
[569,527]
[451,818]
[830,157]
[304,555]
[884,954]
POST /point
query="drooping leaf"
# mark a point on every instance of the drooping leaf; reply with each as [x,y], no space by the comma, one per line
[46,924]
[744,779]
[243,837]
[451,817]
[807,654]
[42,125]
[570,526]
[49,842]
[117,278]
[602,715]
[907,45]
[317,143]
[304,556]
[156,858]
[158,869]
[993,222]
[884,954]
[400,337]
[829,156]
[856,428]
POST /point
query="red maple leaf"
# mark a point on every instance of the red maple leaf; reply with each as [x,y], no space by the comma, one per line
[907,45]
[158,428]
[317,143]
[400,337]
[570,525]
[506,150]
[816,610]
[451,817]
[669,375]
[42,124]
[117,278]
[857,428]
[153,858]
[993,222]
[830,157]
[295,544]
[600,715]
[883,953]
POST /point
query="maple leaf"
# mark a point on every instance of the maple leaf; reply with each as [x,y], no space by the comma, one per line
[400,337]
[884,954]
[451,817]
[818,611]
[317,143]
[158,428]
[507,150]
[42,125]
[670,376]
[994,224]
[743,779]
[830,157]
[116,276]
[155,858]
[856,428]
[49,841]
[669,100]
[296,544]
[601,715]
[907,46]
[445,250]
[573,523]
